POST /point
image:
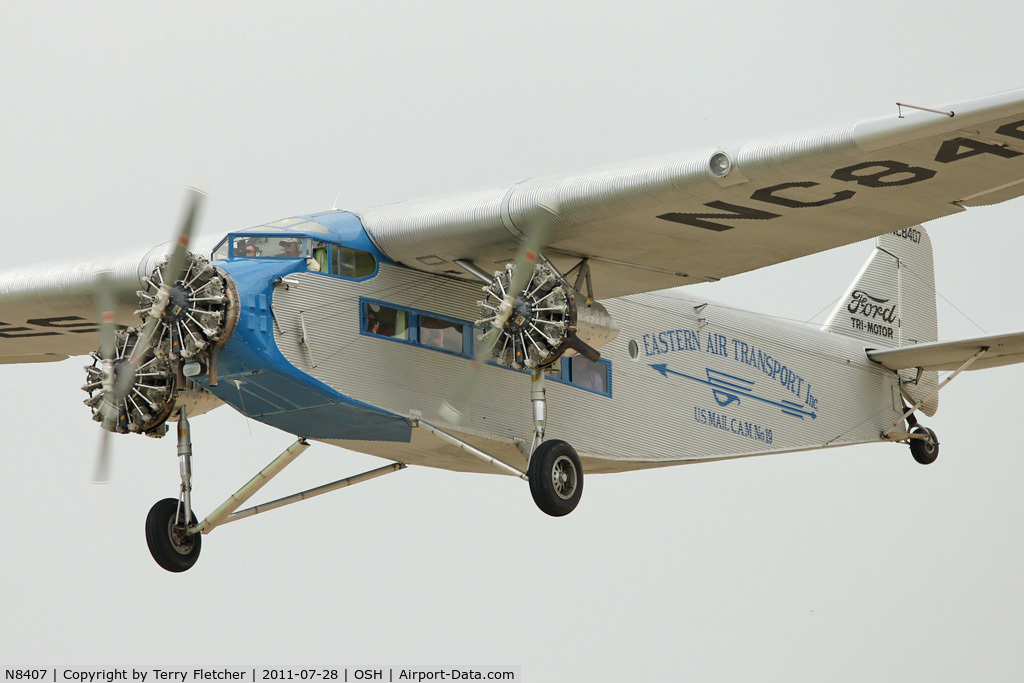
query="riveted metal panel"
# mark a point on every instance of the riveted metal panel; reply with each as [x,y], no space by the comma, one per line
[709,381]
[655,223]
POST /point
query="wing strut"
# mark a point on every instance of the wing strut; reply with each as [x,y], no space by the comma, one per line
[226,512]
[469,448]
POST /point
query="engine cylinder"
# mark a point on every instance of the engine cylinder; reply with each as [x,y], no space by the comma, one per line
[140,396]
[542,320]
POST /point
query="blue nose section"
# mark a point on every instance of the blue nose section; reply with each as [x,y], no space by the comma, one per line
[255,379]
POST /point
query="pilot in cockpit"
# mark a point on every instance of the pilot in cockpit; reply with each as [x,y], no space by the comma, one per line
[292,248]
[246,248]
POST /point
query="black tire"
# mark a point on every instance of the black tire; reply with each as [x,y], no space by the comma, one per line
[172,549]
[925,452]
[556,478]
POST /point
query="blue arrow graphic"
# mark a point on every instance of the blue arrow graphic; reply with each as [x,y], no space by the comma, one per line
[728,389]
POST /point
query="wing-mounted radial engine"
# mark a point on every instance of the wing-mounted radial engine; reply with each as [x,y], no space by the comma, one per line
[548,319]
[138,388]
[196,315]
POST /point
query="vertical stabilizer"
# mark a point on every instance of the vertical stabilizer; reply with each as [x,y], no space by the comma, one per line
[891,303]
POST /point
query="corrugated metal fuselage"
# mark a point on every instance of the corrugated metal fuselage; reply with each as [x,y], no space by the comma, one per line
[689,380]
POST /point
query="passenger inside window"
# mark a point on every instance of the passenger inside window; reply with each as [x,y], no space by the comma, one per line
[590,375]
[441,334]
[386,321]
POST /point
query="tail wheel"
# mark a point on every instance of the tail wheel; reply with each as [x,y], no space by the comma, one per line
[925,451]
[556,478]
[170,544]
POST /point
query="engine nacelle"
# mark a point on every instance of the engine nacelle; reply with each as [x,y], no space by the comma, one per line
[547,319]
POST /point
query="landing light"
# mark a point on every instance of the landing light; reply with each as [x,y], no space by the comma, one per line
[720,164]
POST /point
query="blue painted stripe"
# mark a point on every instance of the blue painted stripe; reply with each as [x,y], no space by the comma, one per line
[256,379]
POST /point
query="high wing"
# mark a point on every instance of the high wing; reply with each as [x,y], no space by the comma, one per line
[48,311]
[724,210]
[995,351]
[644,225]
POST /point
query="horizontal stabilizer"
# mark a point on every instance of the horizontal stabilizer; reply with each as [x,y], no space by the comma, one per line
[999,349]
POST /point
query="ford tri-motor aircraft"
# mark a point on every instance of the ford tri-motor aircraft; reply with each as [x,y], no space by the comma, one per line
[520,329]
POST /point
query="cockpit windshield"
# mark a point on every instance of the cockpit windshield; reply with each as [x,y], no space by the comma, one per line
[320,256]
[271,246]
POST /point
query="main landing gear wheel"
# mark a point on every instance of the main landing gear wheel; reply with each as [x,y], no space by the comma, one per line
[925,451]
[556,478]
[171,545]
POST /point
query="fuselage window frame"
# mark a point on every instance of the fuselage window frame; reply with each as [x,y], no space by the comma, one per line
[413,326]
[414,316]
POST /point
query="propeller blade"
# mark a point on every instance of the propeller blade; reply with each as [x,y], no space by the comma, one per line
[108,340]
[101,474]
[172,273]
[537,233]
[115,389]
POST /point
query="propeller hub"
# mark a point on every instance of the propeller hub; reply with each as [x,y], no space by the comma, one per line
[535,326]
[522,314]
[197,309]
[178,303]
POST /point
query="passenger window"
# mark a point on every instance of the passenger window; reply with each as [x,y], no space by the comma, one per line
[554,371]
[441,334]
[385,321]
[589,375]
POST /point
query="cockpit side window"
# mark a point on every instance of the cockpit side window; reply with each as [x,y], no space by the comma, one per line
[321,251]
[352,263]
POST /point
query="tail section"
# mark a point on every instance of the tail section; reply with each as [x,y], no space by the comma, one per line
[891,303]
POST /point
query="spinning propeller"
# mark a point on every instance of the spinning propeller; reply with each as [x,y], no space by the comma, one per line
[124,358]
[537,233]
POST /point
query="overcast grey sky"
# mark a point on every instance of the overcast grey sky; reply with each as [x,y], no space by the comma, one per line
[846,564]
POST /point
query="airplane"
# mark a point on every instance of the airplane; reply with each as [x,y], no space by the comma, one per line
[543,329]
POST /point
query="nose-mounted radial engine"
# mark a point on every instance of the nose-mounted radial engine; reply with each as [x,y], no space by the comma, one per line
[548,318]
[137,389]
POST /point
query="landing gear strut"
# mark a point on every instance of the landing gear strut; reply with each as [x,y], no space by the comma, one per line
[175,542]
[555,472]
[172,542]
[924,445]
